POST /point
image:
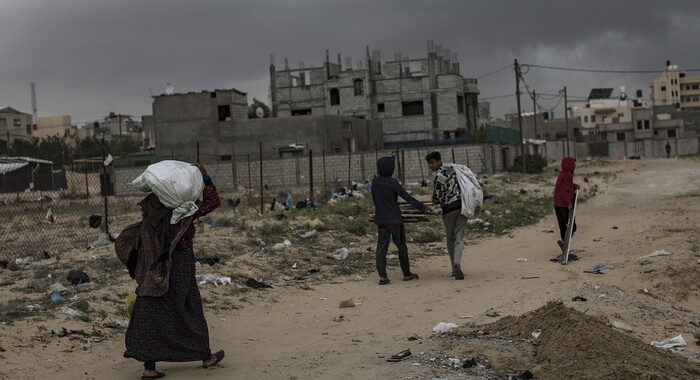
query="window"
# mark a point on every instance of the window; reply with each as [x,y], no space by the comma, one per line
[640,125]
[29,129]
[592,118]
[17,122]
[358,87]
[224,112]
[460,104]
[213,94]
[346,125]
[585,119]
[412,108]
[663,88]
[3,122]
[696,86]
[620,136]
[646,124]
[620,115]
[301,112]
[380,107]
[225,157]
[671,133]
[446,135]
[335,97]
[35,127]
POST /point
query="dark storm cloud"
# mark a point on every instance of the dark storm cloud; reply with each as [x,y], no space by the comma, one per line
[89,57]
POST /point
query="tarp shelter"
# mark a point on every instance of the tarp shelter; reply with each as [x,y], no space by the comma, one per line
[25,173]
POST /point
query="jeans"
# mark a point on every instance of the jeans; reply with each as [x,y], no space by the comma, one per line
[397,233]
[455,223]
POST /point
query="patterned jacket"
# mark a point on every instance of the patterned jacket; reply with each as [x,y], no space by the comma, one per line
[446,191]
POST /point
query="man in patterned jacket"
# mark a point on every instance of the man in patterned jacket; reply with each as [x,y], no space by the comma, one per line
[447,194]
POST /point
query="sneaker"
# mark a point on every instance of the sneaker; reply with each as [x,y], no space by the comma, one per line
[458,273]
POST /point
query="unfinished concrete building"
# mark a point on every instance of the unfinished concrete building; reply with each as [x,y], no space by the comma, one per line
[415,99]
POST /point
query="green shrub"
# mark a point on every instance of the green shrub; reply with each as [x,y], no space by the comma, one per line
[428,236]
[357,226]
[536,164]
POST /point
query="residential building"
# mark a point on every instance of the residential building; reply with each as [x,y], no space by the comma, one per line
[115,125]
[674,87]
[52,126]
[602,108]
[415,99]
[14,124]
[646,125]
[217,123]
[545,127]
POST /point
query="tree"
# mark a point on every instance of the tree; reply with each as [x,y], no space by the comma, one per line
[252,109]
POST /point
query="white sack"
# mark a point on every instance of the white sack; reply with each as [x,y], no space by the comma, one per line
[472,195]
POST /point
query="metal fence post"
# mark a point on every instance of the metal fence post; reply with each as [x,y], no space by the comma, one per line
[311,176]
[87,186]
[234,168]
[325,182]
[261,181]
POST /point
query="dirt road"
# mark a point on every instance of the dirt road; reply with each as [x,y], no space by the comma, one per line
[652,205]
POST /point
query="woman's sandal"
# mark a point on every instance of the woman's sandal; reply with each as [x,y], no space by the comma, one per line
[219,357]
[158,375]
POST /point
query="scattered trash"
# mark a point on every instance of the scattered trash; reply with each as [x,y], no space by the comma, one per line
[522,260]
[49,216]
[493,314]
[72,312]
[260,241]
[677,341]
[76,277]
[212,223]
[579,298]
[656,253]
[560,258]
[95,221]
[23,261]
[621,325]
[55,297]
[614,227]
[339,318]
[347,303]
[403,355]
[295,266]
[602,295]
[214,279]
[341,253]
[392,256]
[454,362]
[359,278]
[309,234]
[529,277]
[85,287]
[536,334]
[118,324]
[255,284]
[468,363]
[413,338]
[57,288]
[101,241]
[444,327]
[281,246]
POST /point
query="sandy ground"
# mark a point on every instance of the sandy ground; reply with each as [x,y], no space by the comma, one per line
[652,203]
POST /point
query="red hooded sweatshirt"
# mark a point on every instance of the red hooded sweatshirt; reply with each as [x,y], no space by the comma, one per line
[564,190]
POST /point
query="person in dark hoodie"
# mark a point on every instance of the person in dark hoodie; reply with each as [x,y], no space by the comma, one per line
[564,192]
[387,217]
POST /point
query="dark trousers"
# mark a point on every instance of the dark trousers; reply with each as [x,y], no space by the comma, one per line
[396,233]
[563,219]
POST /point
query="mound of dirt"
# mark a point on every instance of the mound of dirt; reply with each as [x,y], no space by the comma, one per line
[574,345]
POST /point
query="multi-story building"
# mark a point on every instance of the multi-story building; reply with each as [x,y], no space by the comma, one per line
[674,87]
[217,123]
[115,126]
[52,126]
[415,99]
[14,124]
[602,108]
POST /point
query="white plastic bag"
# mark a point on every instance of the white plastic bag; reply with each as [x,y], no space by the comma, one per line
[676,341]
[444,327]
[472,195]
[176,184]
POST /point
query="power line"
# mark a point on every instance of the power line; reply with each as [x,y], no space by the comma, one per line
[496,71]
[529,65]
[500,96]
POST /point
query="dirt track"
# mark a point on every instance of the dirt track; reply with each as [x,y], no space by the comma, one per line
[652,203]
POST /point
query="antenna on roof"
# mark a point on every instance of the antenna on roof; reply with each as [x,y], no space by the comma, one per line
[169,89]
[35,112]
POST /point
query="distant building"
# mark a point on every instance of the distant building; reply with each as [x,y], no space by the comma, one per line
[14,125]
[646,125]
[602,108]
[415,99]
[116,125]
[52,126]
[218,121]
[674,87]
[543,126]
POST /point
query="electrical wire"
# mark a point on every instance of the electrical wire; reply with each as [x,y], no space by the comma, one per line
[529,65]
[495,71]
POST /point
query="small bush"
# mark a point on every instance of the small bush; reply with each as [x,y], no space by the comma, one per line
[536,164]
[356,226]
[428,236]
[270,229]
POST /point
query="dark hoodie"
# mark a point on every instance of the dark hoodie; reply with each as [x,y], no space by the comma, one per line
[385,193]
[564,190]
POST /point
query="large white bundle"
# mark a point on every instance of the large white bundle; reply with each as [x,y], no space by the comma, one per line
[176,184]
[472,195]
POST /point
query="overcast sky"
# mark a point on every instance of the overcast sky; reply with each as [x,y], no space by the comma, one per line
[90,57]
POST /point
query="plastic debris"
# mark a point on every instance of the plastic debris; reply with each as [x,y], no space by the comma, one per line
[309,234]
[255,284]
[359,278]
[281,246]
[522,260]
[69,311]
[656,253]
[454,362]
[85,287]
[444,327]
[347,303]
[260,241]
[214,279]
[57,288]
[621,325]
[341,253]
[677,341]
[23,261]
[56,297]
[77,277]
[49,216]
[536,334]
[392,256]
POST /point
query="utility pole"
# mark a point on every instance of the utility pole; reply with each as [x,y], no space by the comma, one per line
[566,122]
[121,142]
[534,111]
[520,114]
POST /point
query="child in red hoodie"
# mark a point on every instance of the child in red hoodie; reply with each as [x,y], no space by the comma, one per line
[564,192]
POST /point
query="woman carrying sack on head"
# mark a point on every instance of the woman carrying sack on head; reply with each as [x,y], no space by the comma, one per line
[167,323]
